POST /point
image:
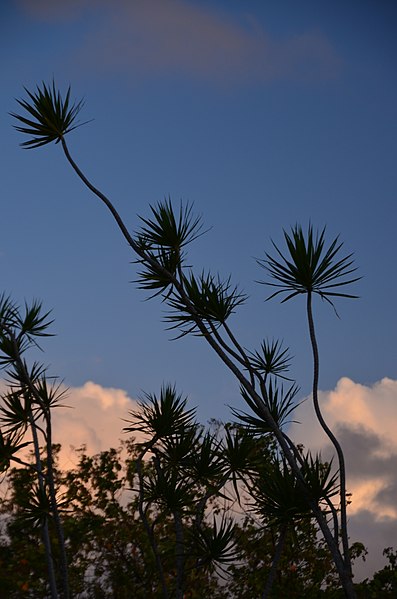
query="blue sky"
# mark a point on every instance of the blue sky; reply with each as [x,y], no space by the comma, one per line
[261,114]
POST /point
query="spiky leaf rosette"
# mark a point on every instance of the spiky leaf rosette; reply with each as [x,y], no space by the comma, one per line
[161,417]
[169,228]
[163,239]
[212,299]
[215,545]
[9,446]
[51,116]
[272,359]
[278,496]
[280,404]
[309,267]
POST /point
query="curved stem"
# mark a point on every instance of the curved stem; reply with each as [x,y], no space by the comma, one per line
[226,347]
[55,511]
[134,246]
[330,434]
[102,197]
[246,361]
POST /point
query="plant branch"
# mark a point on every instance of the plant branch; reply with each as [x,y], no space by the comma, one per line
[329,433]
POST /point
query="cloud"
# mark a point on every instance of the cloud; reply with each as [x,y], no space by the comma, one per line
[364,419]
[184,37]
[94,418]
[55,10]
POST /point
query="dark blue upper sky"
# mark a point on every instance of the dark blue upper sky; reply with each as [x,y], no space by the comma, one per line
[263,115]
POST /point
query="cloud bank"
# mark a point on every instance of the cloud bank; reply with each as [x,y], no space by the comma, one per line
[364,419]
[185,37]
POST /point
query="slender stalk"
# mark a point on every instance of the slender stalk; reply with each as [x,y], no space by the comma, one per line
[230,351]
[55,511]
[102,197]
[179,555]
[148,528]
[276,559]
[246,362]
[45,531]
[329,433]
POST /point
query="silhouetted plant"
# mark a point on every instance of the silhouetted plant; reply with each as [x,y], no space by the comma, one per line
[188,469]
[202,304]
[26,406]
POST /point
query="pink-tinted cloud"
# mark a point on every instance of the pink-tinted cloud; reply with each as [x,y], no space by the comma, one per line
[55,10]
[90,415]
[144,37]
[364,419]
[355,406]
[94,418]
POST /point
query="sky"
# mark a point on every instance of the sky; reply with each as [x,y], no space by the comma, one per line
[261,115]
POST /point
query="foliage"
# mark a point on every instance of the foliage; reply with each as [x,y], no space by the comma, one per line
[304,569]
[383,584]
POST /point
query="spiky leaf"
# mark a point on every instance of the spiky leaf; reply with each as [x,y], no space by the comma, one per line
[50,116]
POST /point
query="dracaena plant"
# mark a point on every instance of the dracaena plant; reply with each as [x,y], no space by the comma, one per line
[26,407]
[185,469]
[202,304]
[310,267]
